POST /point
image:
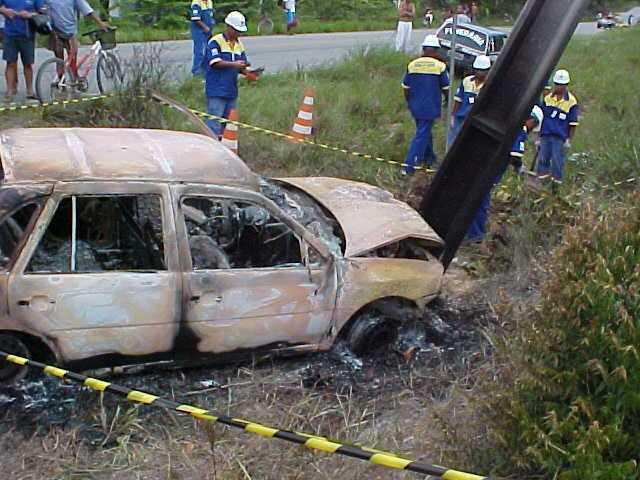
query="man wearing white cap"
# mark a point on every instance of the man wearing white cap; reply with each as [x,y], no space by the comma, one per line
[226,58]
[424,83]
[466,95]
[561,112]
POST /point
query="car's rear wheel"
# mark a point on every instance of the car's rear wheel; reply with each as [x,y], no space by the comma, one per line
[10,372]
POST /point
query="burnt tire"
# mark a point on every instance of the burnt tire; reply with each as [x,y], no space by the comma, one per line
[12,344]
[371,332]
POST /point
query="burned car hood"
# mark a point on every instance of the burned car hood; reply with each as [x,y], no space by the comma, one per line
[370,217]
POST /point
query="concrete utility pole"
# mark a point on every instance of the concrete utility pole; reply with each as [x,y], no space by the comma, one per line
[452,74]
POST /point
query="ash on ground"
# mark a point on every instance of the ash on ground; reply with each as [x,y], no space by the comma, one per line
[448,339]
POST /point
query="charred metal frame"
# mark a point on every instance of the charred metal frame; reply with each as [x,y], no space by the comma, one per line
[481,150]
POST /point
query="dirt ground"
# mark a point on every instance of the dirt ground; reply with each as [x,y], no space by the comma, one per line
[392,400]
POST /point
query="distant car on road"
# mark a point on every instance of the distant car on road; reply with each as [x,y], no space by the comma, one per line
[607,22]
[471,41]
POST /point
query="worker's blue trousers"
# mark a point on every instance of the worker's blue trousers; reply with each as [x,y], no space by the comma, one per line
[219,107]
[456,126]
[551,156]
[421,149]
[478,227]
[199,48]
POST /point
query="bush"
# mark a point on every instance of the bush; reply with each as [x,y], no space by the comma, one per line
[572,408]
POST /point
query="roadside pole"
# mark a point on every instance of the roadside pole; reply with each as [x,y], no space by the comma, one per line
[452,73]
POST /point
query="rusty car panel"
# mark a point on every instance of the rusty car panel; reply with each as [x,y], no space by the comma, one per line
[247,309]
[370,217]
[103,312]
[71,154]
[99,314]
[366,280]
[234,309]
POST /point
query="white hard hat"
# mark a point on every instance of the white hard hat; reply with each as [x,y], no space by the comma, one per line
[236,21]
[536,113]
[431,41]
[561,78]
[482,62]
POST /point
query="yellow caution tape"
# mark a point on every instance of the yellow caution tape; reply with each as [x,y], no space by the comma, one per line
[55,372]
[16,108]
[95,384]
[377,457]
[325,146]
[141,397]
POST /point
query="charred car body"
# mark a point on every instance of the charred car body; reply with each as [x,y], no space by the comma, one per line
[127,246]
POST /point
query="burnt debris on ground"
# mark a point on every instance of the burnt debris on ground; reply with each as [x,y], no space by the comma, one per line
[434,351]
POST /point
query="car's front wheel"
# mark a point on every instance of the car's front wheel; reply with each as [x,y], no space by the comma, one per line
[370,332]
[11,344]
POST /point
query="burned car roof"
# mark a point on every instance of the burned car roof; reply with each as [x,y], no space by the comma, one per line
[72,154]
[369,216]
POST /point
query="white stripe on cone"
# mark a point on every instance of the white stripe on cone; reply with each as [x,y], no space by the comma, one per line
[230,144]
[308,100]
[301,129]
[305,115]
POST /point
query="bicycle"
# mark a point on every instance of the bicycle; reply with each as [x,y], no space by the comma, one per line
[56,79]
[265,24]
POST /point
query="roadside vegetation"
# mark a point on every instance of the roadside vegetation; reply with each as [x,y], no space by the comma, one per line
[155,20]
[542,375]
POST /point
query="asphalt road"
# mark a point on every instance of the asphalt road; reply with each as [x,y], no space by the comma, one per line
[281,52]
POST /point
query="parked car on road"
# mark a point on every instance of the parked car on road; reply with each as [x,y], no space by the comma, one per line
[607,22]
[129,246]
[471,41]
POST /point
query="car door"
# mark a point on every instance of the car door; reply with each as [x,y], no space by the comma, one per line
[99,275]
[250,279]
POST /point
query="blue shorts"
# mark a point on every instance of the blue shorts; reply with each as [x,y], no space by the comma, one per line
[291,16]
[23,46]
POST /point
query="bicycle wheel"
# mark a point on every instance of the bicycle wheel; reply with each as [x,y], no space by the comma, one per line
[109,73]
[50,85]
[265,26]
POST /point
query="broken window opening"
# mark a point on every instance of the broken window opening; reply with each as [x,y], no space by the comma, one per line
[90,234]
[12,231]
[226,234]
[307,212]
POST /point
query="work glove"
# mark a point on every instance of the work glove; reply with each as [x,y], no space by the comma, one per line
[567,143]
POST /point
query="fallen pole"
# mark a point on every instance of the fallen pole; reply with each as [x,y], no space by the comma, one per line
[314,442]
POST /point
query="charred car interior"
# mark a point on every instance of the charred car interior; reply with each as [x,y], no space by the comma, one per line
[102,233]
[230,234]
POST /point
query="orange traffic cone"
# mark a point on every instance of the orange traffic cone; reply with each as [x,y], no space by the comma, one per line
[230,134]
[303,124]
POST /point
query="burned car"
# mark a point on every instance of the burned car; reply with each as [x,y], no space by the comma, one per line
[131,246]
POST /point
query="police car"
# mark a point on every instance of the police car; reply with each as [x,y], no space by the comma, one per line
[471,41]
